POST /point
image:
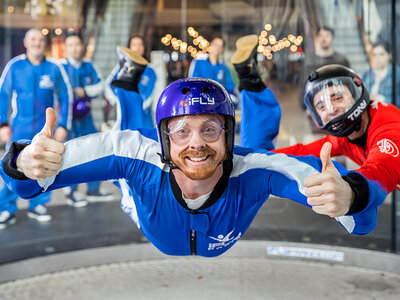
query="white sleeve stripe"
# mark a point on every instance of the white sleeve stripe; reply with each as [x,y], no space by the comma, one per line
[128,143]
[191,68]
[347,222]
[94,90]
[147,103]
[118,117]
[127,202]
[8,66]
[14,106]
[97,71]
[281,163]
[45,183]
[69,90]
[108,92]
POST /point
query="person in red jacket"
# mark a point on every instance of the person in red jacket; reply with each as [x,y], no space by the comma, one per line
[367,132]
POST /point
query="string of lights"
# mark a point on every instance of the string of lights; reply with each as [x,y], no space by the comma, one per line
[268,43]
[200,44]
[37,8]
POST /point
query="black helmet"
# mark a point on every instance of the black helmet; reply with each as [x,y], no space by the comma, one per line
[327,97]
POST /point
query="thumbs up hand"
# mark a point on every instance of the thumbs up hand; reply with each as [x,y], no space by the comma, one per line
[327,192]
[43,157]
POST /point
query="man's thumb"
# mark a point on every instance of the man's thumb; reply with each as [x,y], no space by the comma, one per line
[51,120]
[325,156]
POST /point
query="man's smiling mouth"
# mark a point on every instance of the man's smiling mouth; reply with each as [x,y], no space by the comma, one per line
[197,159]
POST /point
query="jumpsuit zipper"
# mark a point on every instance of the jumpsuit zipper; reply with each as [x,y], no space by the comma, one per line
[193,249]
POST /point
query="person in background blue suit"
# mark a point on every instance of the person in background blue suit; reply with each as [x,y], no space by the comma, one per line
[212,67]
[31,82]
[87,84]
[134,114]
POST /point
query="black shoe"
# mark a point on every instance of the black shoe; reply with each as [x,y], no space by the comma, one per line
[132,66]
[39,213]
[99,195]
[245,62]
[6,219]
[76,199]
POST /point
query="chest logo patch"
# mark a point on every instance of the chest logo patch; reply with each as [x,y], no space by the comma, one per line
[388,147]
[223,241]
[45,82]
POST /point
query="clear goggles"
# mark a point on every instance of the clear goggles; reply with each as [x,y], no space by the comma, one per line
[181,133]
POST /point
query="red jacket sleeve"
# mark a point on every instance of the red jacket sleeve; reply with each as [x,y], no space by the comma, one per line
[313,148]
[382,152]
[383,162]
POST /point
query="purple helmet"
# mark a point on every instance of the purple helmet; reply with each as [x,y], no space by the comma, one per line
[80,108]
[194,96]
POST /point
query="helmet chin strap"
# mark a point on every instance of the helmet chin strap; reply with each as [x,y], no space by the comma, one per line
[172,167]
[358,125]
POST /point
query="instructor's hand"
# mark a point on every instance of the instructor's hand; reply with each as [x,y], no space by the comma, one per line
[327,192]
[43,157]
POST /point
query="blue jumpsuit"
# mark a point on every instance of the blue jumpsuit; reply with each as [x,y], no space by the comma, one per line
[218,72]
[31,89]
[138,113]
[85,75]
[164,218]
[260,119]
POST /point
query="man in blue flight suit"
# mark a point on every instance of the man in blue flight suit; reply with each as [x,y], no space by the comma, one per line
[195,192]
[213,68]
[138,114]
[87,83]
[31,82]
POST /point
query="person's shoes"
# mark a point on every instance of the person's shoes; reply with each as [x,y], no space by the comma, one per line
[246,48]
[132,66]
[99,195]
[76,199]
[39,213]
[6,219]
[245,62]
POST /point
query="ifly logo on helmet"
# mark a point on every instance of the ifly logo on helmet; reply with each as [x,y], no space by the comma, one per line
[199,100]
[358,111]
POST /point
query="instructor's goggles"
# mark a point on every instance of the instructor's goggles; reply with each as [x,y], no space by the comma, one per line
[210,132]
